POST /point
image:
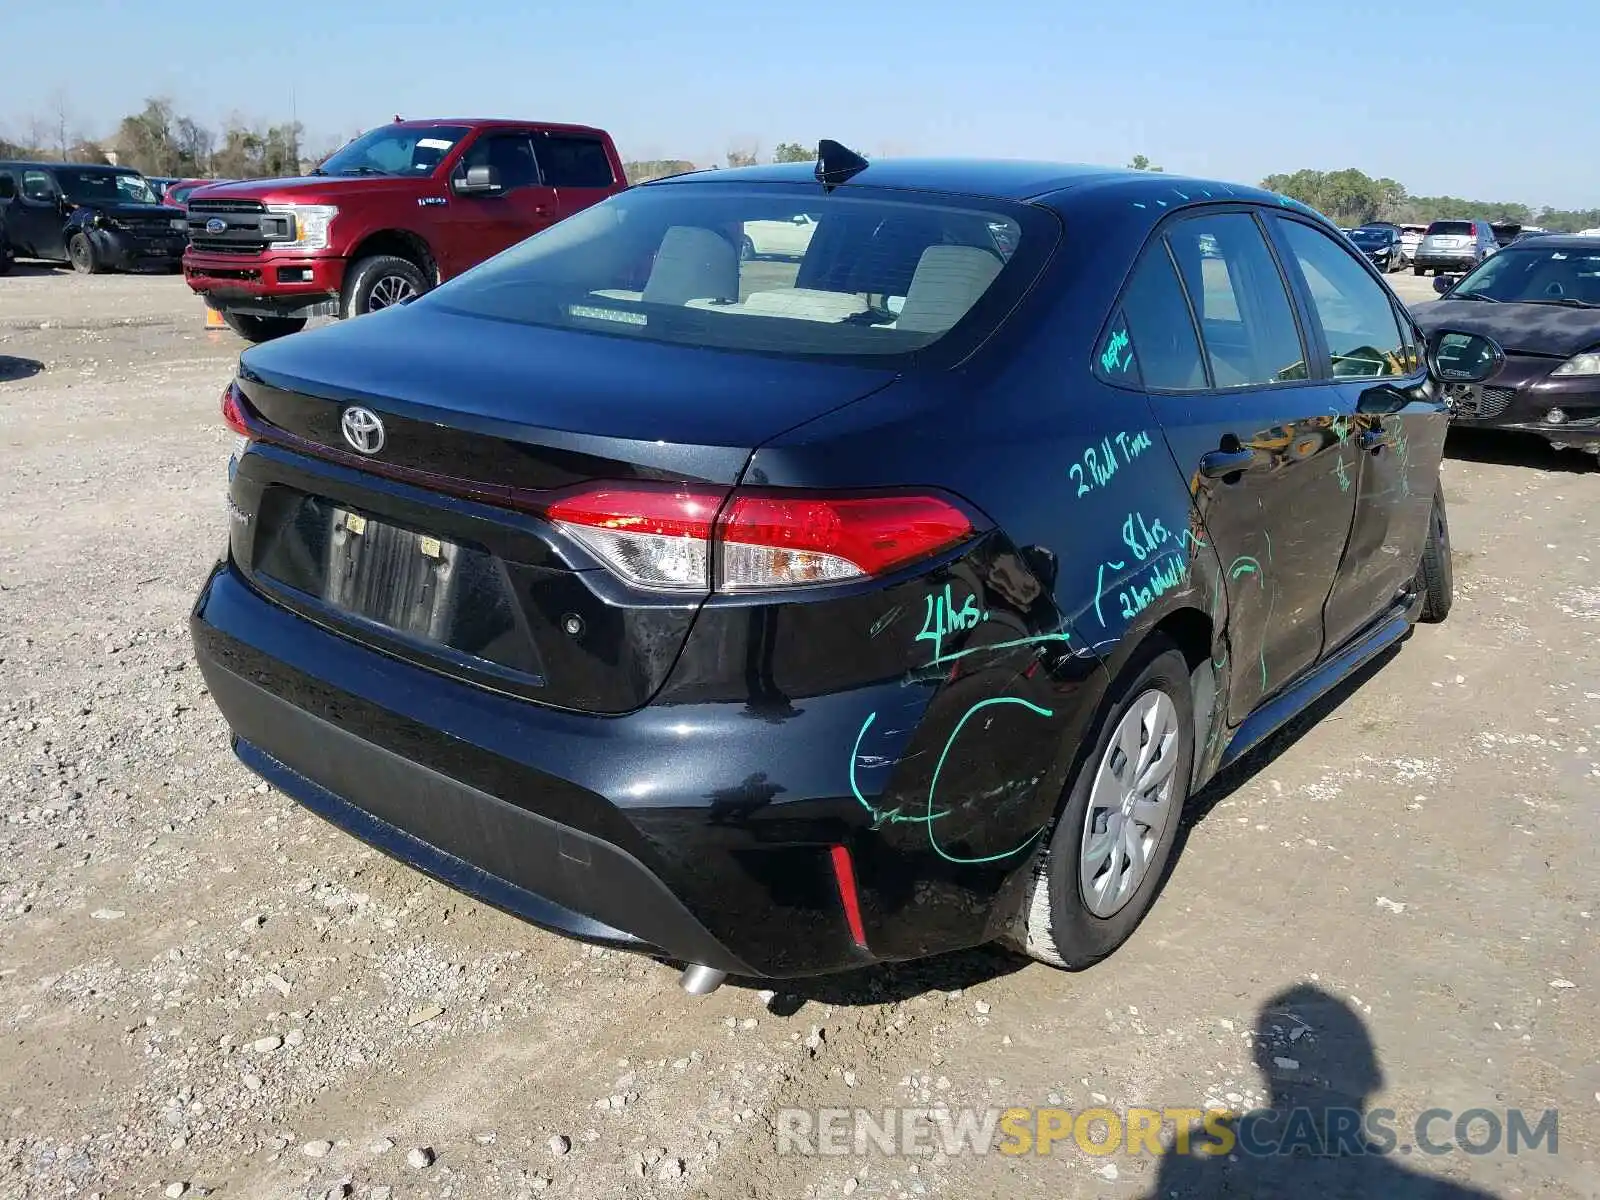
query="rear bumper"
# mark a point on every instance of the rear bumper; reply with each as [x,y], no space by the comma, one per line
[590,826]
[267,285]
[466,838]
[1434,261]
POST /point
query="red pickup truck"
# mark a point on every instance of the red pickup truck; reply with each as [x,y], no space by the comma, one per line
[400,209]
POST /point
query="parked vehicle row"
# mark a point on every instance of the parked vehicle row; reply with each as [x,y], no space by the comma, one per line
[97,218]
[757,615]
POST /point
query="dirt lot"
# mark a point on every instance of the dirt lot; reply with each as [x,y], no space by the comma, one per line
[204,988]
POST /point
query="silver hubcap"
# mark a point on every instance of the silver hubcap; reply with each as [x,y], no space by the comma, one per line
[1130,804]
[391,289]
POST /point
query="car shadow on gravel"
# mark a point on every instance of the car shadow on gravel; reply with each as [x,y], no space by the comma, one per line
[12,369]
[1512,449]
[24,270]
[961,969]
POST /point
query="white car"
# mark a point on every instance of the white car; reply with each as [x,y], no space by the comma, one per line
[778,239]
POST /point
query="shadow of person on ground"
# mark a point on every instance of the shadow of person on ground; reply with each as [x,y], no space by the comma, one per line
[1317,1137]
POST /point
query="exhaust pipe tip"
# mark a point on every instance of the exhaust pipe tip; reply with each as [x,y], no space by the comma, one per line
[700,980]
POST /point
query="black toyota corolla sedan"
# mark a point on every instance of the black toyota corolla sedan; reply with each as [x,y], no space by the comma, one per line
[1539,298]
[777,618]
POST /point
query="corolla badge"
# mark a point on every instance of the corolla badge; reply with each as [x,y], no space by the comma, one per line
[363,429]
[216,225]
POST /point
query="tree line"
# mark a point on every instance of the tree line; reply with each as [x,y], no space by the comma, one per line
[159,140]
[1351,197]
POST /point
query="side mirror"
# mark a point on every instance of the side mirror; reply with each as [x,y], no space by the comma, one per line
[478,181]
[1464,357]
[1443,283]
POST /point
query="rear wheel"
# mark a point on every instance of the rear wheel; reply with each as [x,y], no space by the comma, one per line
[262,329]
[381,281]
[1099,872]
[1435,579]
[82,253]
[1419,270]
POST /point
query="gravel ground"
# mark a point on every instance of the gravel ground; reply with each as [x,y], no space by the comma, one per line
[204,990]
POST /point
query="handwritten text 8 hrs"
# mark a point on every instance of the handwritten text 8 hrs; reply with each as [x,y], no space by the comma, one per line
[1102,461]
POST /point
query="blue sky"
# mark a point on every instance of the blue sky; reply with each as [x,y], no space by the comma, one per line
[1443,100]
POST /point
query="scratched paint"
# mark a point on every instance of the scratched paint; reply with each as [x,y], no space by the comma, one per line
[1247,564]
[930,814]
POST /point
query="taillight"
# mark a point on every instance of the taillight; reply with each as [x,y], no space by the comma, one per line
[653,538]
[774,540]
[668,538]
[231,412]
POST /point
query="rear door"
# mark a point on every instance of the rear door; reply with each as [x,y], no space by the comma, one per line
[487,224]
[1393,456]
[35,218]
[579,168]
[1254,426]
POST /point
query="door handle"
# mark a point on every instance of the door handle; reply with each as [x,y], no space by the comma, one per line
[1217,463]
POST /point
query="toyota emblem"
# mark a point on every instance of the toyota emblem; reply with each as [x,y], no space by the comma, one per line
[216,225]
[363,429]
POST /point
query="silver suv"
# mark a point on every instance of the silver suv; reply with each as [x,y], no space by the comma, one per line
[1453,246]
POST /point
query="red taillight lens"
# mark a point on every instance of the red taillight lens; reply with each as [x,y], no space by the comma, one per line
[232,413]
[772,540]
[663,538]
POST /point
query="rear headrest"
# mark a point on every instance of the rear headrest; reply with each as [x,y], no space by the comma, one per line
[693,264]
[948,282]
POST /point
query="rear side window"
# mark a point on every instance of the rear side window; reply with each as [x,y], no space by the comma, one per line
[574,162]
[1358,322]
[1153,337]
[1246,322]
[1451,228]
[772,269]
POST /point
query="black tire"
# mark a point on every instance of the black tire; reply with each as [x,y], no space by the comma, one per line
[1419,270]
[1059,927]
[6,261]
[1435,577]
[747,249]
[262,329]
[81,253]
[379,281]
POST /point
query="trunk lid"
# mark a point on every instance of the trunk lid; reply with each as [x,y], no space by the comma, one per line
[431,547]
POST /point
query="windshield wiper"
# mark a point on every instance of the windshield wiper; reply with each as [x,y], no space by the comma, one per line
[1476,296]
[363,170]
[1567,302]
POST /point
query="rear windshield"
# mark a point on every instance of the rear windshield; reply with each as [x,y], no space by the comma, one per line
[772,269]
[1461,228]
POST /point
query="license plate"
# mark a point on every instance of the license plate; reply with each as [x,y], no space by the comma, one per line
[401,579]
